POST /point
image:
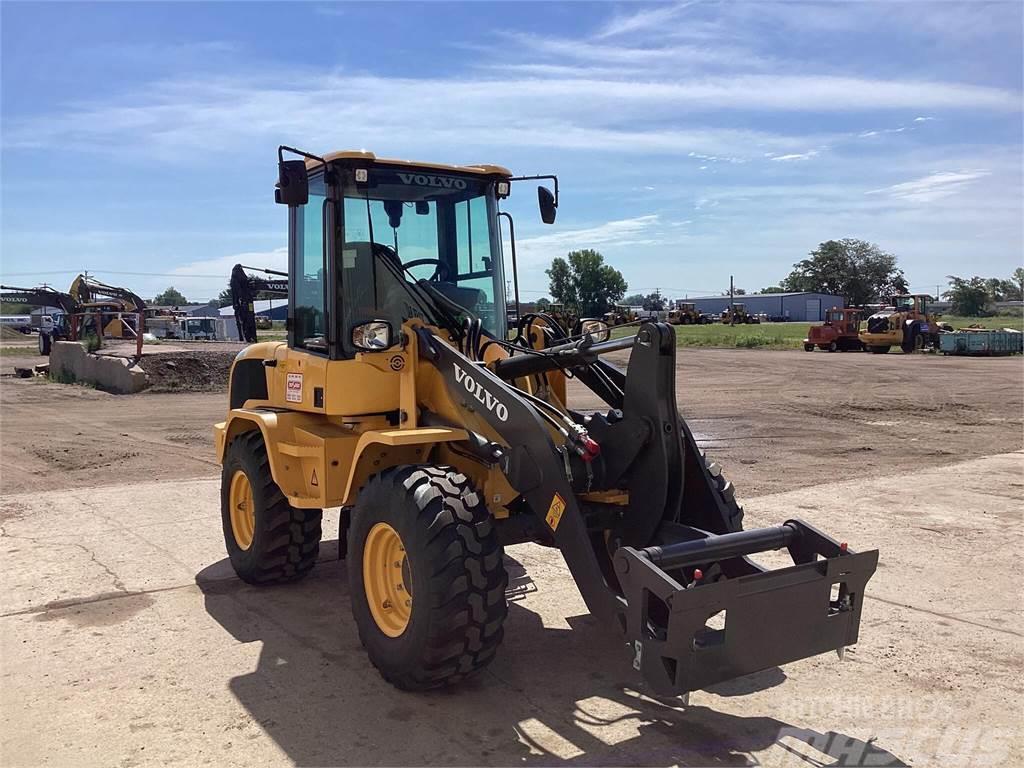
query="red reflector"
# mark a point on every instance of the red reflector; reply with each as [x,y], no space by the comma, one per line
[842,547]
[698,574]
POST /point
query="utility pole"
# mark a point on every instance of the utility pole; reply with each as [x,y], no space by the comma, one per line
[732,314]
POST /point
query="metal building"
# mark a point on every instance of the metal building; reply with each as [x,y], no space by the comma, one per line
[802,306]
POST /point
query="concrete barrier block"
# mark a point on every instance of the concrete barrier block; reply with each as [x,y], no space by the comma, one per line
[70,363]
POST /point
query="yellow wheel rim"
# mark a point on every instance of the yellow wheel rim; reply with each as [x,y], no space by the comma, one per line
[243,514]
[386,579]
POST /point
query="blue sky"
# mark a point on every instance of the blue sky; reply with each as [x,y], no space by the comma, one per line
[692,140]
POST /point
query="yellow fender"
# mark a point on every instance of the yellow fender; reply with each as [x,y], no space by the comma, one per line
[307,453]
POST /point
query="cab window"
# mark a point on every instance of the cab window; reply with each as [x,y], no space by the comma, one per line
[309,321]
[473,255]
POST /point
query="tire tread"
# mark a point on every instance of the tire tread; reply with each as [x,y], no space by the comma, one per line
[467,575]
[292,535]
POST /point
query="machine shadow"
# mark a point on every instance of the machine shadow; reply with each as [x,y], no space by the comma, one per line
[552,695]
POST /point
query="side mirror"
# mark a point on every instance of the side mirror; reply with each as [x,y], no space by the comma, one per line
[292,183]
[546,200]
[597,330]
[374,336]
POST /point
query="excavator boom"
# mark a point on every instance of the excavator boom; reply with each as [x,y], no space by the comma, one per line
[245,289]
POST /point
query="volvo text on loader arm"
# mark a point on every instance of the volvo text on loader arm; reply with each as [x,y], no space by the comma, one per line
[400,398]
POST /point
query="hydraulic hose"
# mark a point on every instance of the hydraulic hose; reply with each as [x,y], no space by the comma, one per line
[561,356]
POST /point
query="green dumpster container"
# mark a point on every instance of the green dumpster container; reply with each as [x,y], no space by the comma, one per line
[982,342]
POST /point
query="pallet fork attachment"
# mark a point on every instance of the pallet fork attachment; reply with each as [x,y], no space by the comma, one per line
[769,617]
[660,597]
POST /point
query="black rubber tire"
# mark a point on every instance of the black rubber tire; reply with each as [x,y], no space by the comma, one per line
[910,339]
[456,569]
[44,344]
[833,346]
[808,347]
[879,350]
[286,540]
[727,491]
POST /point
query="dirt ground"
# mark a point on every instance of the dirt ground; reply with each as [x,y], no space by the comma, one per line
[125,638]
[775,420]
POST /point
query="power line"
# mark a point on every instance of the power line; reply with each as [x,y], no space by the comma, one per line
[176,275]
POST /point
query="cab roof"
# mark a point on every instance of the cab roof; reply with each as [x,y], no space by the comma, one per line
[370,157]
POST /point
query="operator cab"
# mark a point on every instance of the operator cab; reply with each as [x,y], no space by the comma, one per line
[912,303]
[374,242]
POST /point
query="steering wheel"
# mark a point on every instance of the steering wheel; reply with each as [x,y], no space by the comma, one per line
[441,270]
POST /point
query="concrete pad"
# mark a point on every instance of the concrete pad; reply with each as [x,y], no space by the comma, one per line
[126,639]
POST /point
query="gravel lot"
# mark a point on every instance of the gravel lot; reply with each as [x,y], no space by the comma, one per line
[126,640]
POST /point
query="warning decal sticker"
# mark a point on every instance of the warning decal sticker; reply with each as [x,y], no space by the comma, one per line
[555,512]
[294,388]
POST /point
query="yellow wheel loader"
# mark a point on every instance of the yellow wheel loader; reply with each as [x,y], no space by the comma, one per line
[686,313]
[907,324]
[399,398]
[736,314]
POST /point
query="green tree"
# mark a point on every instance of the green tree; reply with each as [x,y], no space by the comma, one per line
[1018,279]
[969,297]
[224,298]
[584,283]
[855,269]
[634,300]
[773,289]
[543,304]
[998,288]
[1003,290]
[653,301]
[170,298]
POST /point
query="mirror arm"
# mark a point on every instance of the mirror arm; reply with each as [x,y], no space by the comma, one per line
[550,176]
[281,149]
[515,267]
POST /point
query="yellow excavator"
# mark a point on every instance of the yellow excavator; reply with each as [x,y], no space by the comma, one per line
[399,398]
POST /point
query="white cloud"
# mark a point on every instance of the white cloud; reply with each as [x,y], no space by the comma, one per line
[880,131]
[666,57]
[173,117]
[208,277]
[923,119]
[539,250]
[273,259]
[933,187]
[795,156]
[641,21]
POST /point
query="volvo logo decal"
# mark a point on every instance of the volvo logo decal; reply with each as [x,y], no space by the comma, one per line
[482,396]
[433,180]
